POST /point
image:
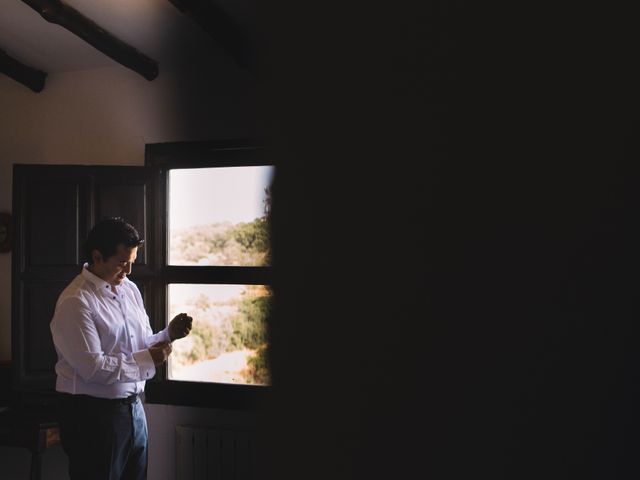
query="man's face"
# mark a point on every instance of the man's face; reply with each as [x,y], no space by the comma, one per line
[114,269]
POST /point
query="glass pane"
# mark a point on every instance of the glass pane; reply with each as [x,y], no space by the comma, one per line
[218,216]
[228,341]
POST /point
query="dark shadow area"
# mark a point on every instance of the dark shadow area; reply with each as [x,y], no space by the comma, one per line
[455,242]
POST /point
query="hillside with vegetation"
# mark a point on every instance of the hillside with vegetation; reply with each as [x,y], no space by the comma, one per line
[221,327]
[221,244]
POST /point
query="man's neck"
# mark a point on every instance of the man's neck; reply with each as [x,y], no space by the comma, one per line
[92,270]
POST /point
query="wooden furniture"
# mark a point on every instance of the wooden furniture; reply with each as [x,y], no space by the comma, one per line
[35,430]
[27,420]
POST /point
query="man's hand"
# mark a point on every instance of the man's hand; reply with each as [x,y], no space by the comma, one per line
[160,352]
[180,326]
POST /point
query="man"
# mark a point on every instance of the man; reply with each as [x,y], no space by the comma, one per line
[106,350]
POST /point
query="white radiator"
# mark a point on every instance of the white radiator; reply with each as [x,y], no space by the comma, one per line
[214,454]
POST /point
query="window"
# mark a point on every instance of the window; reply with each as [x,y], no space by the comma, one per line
[211,203]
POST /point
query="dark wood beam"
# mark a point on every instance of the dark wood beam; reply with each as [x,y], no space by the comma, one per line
[219,25]
[55,11]
[29,77]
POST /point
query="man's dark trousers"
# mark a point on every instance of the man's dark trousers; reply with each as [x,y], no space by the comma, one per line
[104,439]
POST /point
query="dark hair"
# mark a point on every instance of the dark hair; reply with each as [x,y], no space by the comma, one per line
[107,234]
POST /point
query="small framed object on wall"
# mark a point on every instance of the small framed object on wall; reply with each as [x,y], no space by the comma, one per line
[5,232]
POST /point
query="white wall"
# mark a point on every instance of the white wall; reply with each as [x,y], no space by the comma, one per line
[105,117]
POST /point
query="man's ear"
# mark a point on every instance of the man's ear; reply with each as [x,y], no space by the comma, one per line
[96,256]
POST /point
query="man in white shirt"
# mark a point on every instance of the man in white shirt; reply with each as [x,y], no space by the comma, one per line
[106,351]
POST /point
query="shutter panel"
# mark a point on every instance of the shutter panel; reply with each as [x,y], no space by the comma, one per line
[54,207]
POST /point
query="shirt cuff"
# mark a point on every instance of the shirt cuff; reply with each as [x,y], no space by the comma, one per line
[145,363]
[165,332]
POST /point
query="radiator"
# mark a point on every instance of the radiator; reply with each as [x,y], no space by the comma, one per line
[214,454]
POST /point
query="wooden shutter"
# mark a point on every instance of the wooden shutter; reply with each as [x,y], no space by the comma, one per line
[54,207]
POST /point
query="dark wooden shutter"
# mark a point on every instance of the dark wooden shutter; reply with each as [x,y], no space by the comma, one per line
[54,207]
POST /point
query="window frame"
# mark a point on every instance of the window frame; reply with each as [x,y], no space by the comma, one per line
[161,158]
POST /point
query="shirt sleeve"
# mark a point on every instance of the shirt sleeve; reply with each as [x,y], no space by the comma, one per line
[152,338]
[161,336]
[77,340]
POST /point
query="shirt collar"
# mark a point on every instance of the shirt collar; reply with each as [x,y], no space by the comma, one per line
[99,283]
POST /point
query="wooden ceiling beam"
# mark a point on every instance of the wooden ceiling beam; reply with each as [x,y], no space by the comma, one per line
[27,76]
[220,27]
[55,11]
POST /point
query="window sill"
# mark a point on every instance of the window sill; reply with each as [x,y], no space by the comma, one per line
[206,395]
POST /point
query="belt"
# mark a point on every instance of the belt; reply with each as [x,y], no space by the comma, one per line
[106,401]
[129,400]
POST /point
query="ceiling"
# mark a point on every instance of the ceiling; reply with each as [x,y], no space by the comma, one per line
[156,28]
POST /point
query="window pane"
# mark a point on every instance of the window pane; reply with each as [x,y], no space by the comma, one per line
[218,216]
[228,341]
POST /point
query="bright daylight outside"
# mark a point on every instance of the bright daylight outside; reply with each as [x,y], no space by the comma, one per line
[218,217]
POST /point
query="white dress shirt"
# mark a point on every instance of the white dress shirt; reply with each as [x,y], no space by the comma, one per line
[102,338]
